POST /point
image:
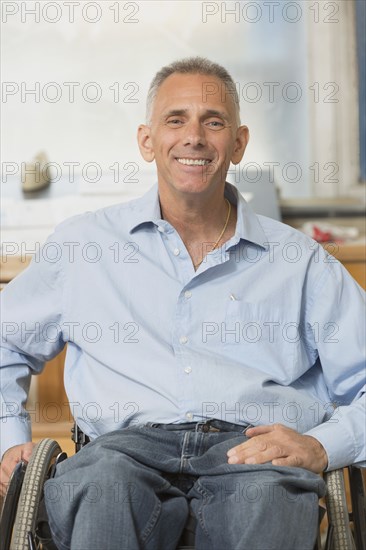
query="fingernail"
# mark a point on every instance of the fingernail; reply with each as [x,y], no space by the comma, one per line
[233,460]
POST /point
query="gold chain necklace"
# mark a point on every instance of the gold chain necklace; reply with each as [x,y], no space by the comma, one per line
[221,234]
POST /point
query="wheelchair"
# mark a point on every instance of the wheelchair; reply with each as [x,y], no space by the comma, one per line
[20,525]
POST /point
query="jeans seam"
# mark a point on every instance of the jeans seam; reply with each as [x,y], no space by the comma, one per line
[206,495]
[151,523]
[58,540]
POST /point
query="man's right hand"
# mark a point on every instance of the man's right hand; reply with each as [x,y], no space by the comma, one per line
[10,459]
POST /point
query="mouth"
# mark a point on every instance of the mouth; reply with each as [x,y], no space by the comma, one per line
[193,162]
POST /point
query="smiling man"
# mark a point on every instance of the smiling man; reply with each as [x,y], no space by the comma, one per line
[193,136]
[209,406]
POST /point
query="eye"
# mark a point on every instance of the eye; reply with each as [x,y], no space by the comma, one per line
[215,124]
[174,122]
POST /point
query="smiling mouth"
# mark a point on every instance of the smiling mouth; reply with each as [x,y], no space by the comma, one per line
[193,162]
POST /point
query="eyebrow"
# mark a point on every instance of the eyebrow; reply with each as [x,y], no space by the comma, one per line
[208,112]
[175,112]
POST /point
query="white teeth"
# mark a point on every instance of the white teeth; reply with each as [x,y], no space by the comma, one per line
[194,162]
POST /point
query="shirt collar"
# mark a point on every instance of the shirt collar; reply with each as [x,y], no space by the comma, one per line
[146,209]
[248,226]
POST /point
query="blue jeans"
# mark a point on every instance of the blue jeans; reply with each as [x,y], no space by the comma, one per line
[133,489]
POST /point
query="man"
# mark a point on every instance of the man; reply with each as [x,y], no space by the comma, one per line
[190,323]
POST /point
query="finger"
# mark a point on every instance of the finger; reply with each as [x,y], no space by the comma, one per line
[3,489]
[256,456]
[8,465]
[3,476]
[254,444]
[269,455]
[4,481]
[26,454]
[248,449]
[253,441]
[259,430]
[288,461]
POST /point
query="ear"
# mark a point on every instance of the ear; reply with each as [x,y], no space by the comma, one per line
[241,141]
[144,142]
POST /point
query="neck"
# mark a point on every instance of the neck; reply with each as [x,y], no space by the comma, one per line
[199,221]
[189,212]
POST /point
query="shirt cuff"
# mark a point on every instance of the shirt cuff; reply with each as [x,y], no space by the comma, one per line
[337,442]
[14,431]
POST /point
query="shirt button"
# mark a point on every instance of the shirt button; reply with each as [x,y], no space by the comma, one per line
[176,251]
[188,370]
[189,416]
[183,339]
[161,228]
[187,294]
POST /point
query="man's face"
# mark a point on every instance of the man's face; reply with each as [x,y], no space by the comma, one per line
[193,135]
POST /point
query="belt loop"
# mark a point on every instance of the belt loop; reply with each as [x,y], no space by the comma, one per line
[202,426]
[247,428]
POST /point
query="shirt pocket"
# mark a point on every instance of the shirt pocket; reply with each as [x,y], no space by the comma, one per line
[262,337]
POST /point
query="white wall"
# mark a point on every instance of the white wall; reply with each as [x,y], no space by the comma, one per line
[259,42]
[334,116]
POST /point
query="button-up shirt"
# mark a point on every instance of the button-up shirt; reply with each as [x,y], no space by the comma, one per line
[270,328]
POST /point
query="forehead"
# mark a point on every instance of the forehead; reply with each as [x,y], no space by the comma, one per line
[188,91]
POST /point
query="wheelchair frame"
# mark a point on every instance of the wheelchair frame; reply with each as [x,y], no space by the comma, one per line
[20,508]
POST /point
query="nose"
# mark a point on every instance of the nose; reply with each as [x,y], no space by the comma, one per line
[194,133]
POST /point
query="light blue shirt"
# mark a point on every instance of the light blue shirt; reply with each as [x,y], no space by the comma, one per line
[270,328]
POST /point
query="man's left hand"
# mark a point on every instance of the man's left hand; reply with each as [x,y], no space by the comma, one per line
[282,446]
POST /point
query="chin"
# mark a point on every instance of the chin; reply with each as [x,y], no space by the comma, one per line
[193,187]
[195,183]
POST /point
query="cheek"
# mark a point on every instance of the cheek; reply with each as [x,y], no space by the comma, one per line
[163,147]
[224,147]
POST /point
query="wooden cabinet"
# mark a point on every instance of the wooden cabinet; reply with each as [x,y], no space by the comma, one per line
[52,402]
[353,257]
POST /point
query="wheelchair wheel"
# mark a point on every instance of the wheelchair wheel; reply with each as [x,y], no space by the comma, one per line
[358,499]
[337,511]
[10,504]
[40,462]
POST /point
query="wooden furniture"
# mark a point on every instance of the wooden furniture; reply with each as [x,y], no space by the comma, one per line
[352,256]
[11,266]
[60,431]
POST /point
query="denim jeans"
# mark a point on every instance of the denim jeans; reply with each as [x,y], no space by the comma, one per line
[133,489]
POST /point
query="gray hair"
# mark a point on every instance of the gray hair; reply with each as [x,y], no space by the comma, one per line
[191,65]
